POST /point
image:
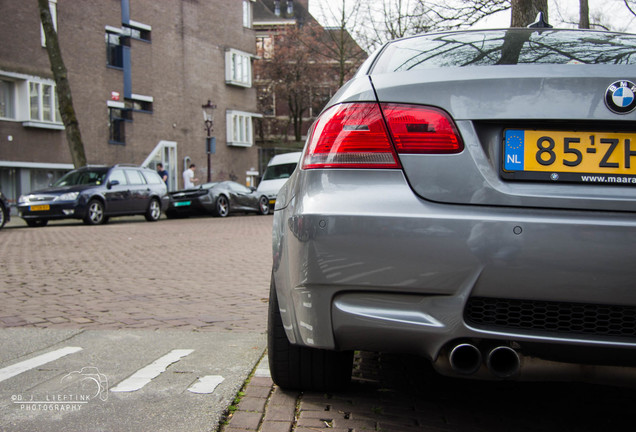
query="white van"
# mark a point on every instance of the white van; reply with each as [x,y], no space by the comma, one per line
[279,168]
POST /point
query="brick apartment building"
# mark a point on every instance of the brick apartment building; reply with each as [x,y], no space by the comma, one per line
[276,19]
[140,72]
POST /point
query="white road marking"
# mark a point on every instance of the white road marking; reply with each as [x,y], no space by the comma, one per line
[23,366]
[206,384]
[144,375]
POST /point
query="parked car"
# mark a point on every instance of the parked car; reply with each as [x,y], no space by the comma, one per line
[216,199]
[5,214]
[278,170]
[468,197]
[94,194]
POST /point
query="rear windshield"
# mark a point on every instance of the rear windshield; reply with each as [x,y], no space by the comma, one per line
[507,47]
[274,172]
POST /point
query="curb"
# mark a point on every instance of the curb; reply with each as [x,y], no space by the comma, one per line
[264,407]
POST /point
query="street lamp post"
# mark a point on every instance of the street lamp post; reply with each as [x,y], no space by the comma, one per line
[210,141]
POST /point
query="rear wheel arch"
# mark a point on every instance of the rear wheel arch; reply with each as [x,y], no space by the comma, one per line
[296,367]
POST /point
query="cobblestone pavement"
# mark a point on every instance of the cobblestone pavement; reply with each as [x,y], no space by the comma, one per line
[210,274]
[197,273]
[393,393]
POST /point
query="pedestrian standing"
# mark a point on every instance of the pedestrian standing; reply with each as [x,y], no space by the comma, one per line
[188,177]
[162,173]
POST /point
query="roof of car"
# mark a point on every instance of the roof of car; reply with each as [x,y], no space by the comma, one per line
[285,158]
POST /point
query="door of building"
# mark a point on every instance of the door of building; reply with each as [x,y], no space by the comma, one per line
[165,153]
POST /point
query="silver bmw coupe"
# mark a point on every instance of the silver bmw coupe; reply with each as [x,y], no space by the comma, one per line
[469,197]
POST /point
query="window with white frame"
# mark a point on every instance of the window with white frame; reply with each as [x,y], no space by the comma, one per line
[53,9]
[238,68]
[247,13]
[139,103]
[30,100]
[240,131]
[7,99]
[137,30]
[43,102]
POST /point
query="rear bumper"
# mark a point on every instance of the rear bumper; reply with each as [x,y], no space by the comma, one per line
[194,205]
[360,262]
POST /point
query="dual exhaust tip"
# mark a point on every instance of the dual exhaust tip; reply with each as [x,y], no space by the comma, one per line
[502,361]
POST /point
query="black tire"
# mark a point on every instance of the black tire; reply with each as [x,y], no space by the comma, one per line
[222,206]
[154,210]
[301,368]
[34,223]
[95,213]
[3,216]
[263,205]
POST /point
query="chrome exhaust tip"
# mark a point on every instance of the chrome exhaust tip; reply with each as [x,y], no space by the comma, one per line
[465,359]
[503,362]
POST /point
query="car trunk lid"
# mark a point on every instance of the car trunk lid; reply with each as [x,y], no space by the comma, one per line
[491,105]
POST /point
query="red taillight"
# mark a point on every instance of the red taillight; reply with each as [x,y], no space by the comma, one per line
[350,136]
[355,136]
[421,130]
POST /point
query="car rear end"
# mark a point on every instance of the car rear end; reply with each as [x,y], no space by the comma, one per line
[469,197]
[190,201]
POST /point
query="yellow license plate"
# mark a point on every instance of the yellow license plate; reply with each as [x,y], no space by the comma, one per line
[40,207]
[589,157]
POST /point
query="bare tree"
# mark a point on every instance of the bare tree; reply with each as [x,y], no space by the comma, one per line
[292,77]
[392,19]
[524,12]
[334,43]
[65,100]
[584,14]
[582,18]
[405,17]
[448,15]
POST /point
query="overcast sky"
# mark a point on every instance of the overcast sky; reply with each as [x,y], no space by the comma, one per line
[611,12]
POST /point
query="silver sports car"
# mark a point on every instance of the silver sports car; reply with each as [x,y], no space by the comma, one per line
[216,199]
[469,197]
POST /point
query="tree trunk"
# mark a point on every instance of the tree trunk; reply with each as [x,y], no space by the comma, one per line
[65,100]
[296,114]
[584,14]
[525,12]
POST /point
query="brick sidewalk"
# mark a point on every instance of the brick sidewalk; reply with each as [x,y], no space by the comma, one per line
[192,274]
[394,393]
[376,401]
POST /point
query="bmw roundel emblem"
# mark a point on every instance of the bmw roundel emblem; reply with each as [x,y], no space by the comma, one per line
[619,97]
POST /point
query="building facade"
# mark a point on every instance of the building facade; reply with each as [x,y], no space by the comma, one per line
[297,71]
[140,73]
